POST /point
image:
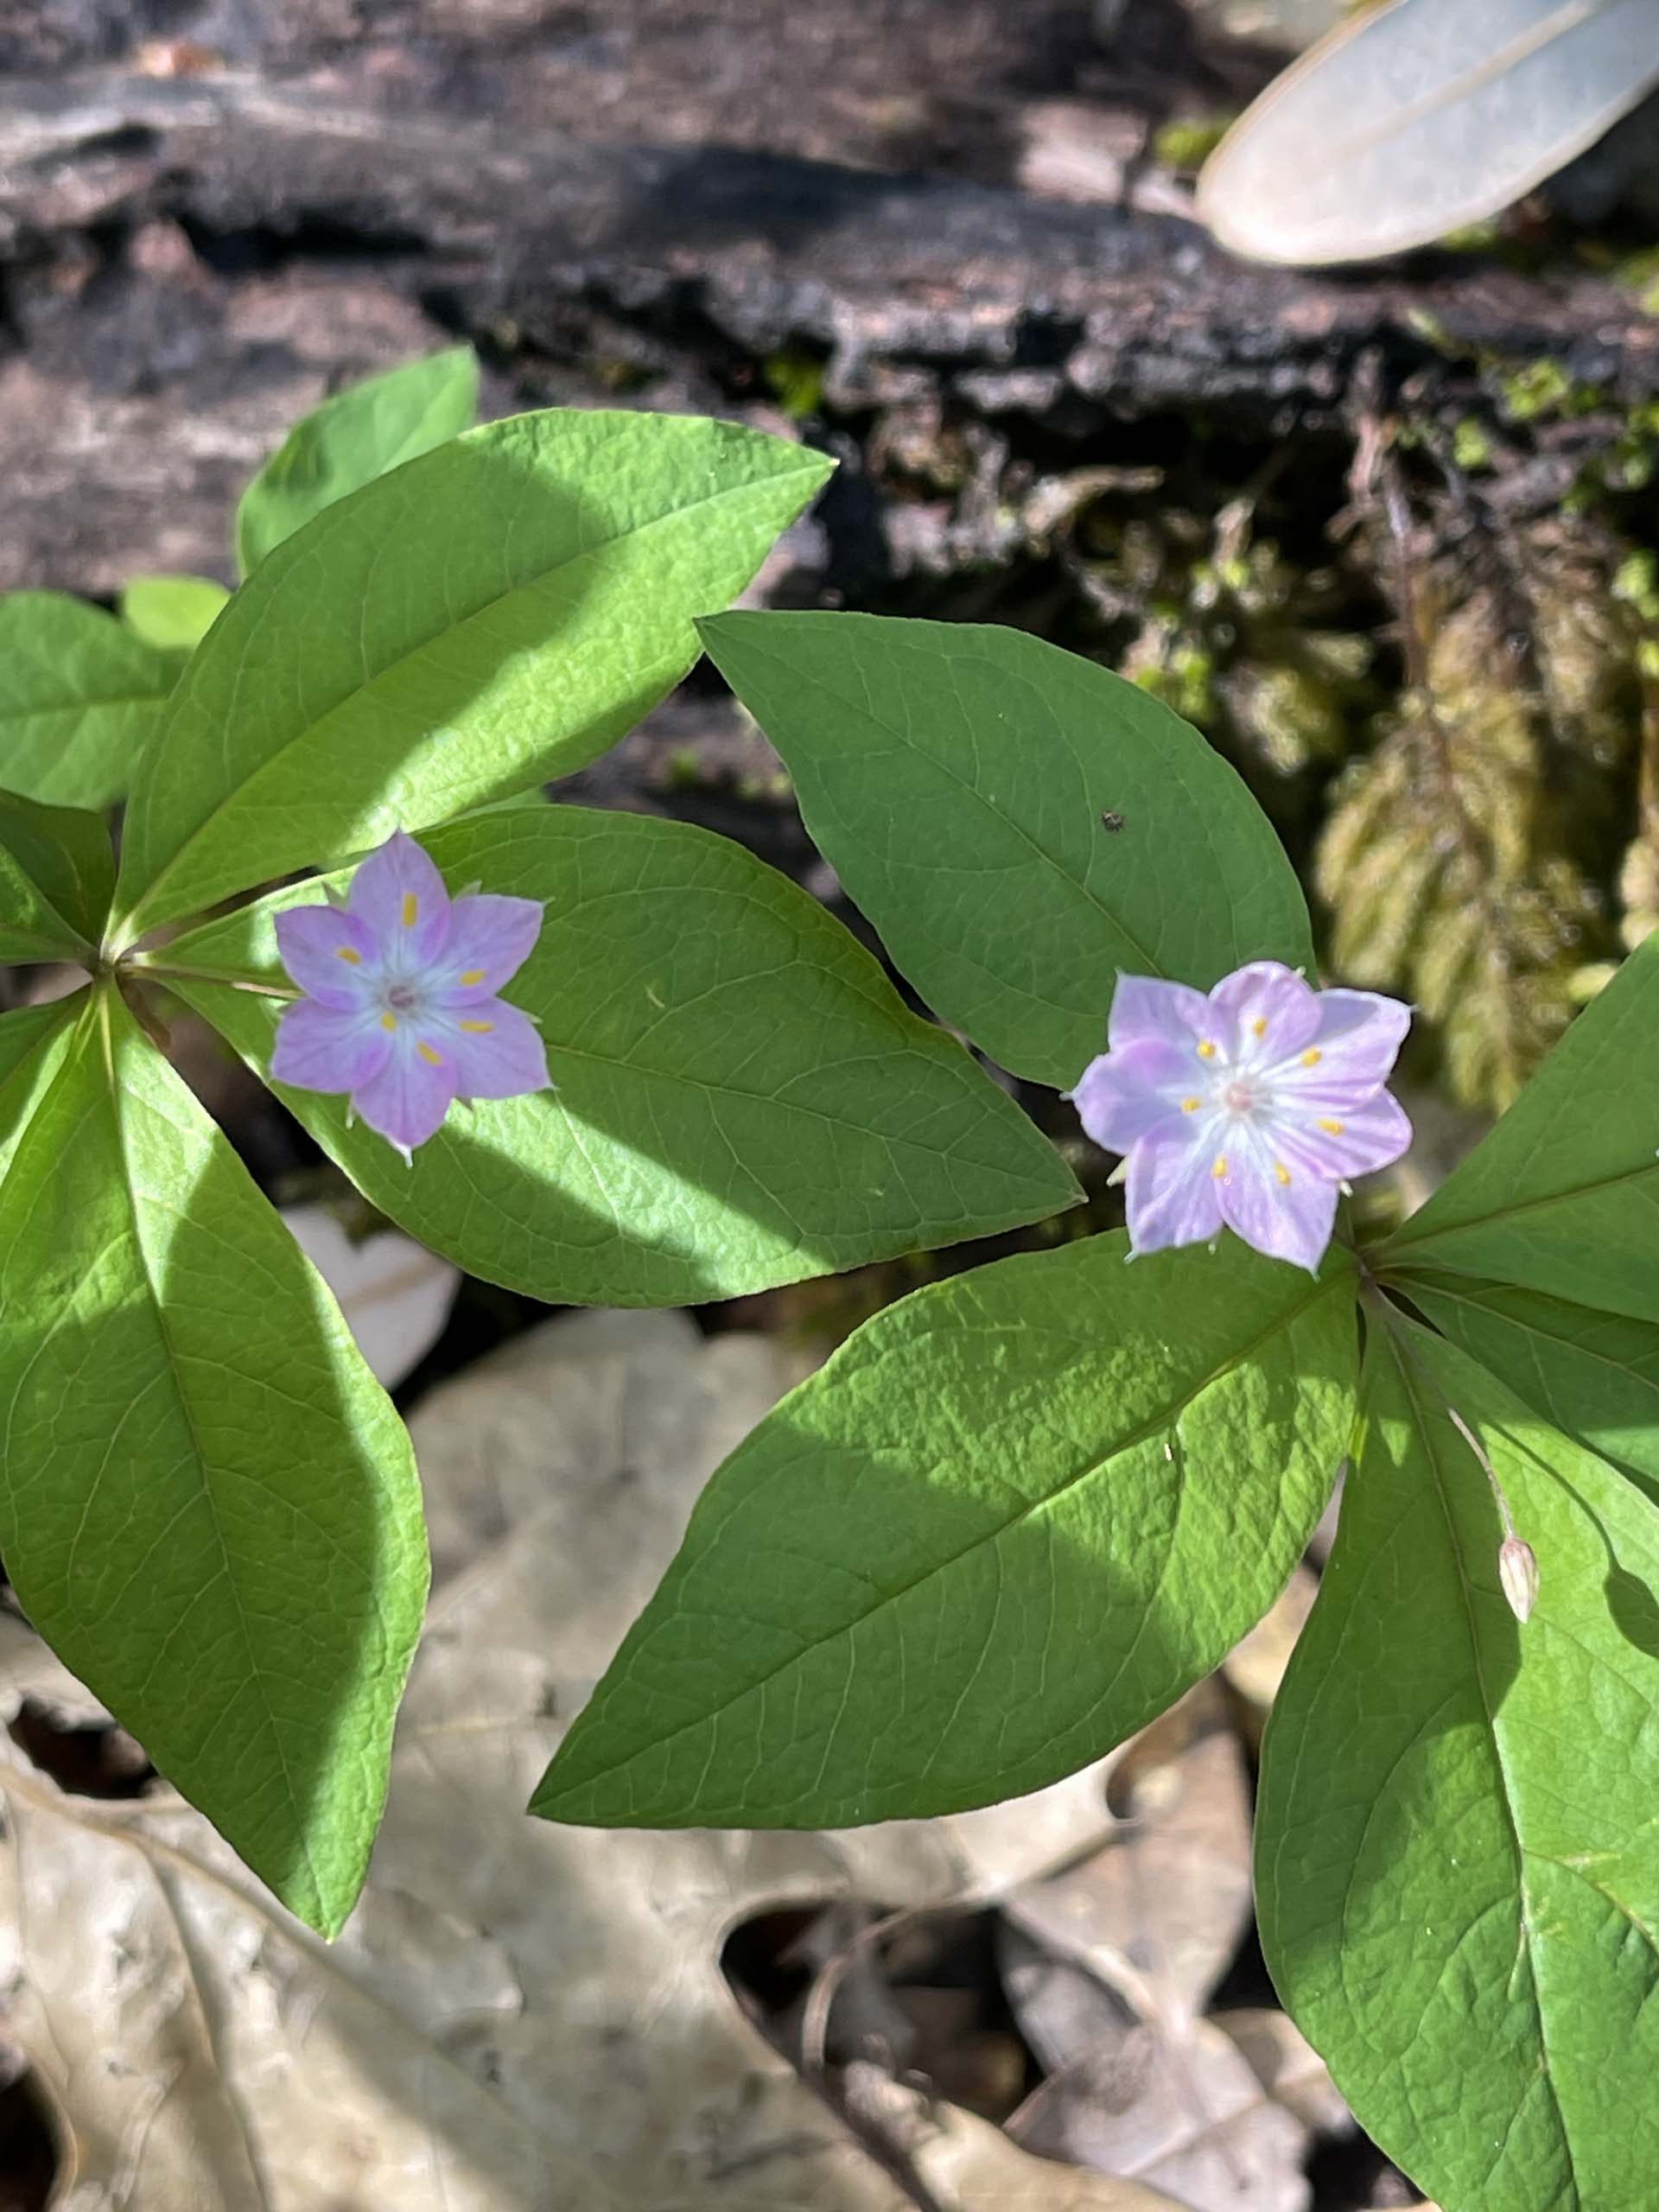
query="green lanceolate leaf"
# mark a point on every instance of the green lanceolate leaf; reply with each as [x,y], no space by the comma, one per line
[79,695]
[493,613]
[742,1099]
[1457,1847]
[207,1505]
[1563,1195]
[1018,824]
[173,613]
[1013,1518]
[33,1041]
[350,440]
[56,875]
[1595,1375]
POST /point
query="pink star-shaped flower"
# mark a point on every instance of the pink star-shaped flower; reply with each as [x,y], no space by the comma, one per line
[1249,1107]
[400,1007]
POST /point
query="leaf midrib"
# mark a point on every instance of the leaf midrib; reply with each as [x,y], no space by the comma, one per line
[1402,1248]
[255,1674]
[1128,1442]
[903,1046]
[1405,1362]
[1548,1336]
[736,494]
[1570,16]
[84,707]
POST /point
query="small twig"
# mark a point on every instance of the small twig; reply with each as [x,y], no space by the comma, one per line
[159,970]
[1486,1466]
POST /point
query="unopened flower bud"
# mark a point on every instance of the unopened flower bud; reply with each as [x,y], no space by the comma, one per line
[1517,1570]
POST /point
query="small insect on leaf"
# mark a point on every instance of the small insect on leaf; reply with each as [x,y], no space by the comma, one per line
[1422,117]
[1110,819]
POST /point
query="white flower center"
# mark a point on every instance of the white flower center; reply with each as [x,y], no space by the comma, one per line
[1238,1096]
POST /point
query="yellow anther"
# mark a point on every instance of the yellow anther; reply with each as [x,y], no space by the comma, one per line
[411,908]
[1281,1171]
[1332,1128]
[1190,1105]
[472,976]
[352,959]
[433,1060]
[1312,1057]
[478,1029]
[1206,1051]
[1220,1168]
[1260,1025]
[388,1021]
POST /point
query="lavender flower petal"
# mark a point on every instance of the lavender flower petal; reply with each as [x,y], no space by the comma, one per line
[1358,1141]
[399,895]
[1173,1194]
[1146,1008]
[1358,1039]
[490,938]
[332,955]
[324,1048]
[406,1101]
[1123,1095]
[1283,1212]
[1264,1012]
[497,1051]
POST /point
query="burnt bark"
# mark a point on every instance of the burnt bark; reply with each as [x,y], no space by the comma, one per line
[620,205]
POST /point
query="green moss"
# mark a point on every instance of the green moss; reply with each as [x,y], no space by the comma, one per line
[797,381]
[1544,388]
[1473,237]
[1471,446]
[1186,144]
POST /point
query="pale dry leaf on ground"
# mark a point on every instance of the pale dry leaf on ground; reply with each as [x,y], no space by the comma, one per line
[966,2164]
[395,1294]
[1287,2066]
[1179,2109]
[1063,2008]
[1158,1910]
[518,2018]
[1255,1666]
[1110,1964]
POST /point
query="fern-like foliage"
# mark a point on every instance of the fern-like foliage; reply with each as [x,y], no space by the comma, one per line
[1463,859]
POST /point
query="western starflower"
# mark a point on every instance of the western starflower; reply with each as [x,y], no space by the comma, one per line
[1249,1107]
[400,1008]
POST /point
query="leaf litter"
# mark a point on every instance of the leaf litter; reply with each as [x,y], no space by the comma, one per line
[522,2017]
